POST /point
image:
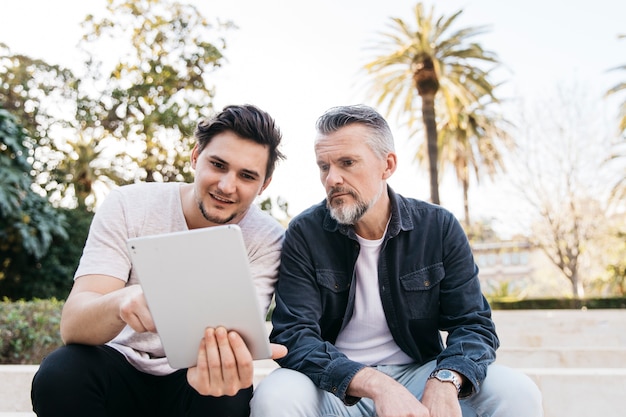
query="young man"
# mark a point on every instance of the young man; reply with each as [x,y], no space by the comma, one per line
[113,363]
[367,281]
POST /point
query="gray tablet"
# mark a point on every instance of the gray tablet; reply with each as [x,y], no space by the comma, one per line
[197,279]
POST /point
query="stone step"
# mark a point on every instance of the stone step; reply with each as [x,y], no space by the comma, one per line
[15,383]
[567,392]
[562,357]
[549,328]
[580,392]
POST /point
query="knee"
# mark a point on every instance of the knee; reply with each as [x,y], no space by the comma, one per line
[63,368]
[286,393]
[508,391]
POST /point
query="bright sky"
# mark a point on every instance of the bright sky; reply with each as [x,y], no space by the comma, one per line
[296,59]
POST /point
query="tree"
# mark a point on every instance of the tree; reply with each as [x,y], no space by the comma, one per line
[33,90]
[560,174]
[617,89]
[86,166]
[471,139]
[158,90]
[619,189]
[440,64]
[28,223]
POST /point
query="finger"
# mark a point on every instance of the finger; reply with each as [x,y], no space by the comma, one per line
[278,351]
[213,355]
[243,359]
[230,374]
[134,311]
[145,315]
[198,376]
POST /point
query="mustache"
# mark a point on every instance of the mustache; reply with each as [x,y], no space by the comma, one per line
[340,190]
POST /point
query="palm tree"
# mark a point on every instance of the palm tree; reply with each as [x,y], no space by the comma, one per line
[619,190]
[616,89]
[439,63]
[85,166]
[471,139]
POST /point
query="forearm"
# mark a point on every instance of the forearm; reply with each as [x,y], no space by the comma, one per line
[390,397]
[92,318]
[370,383]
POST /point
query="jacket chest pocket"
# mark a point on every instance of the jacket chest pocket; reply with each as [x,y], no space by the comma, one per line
[333,281]
[420,291]
[334,289]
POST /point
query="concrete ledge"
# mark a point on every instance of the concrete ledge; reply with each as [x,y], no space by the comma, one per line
[578,392]
[549,328]
[562,357]
[15,381]
[567,392]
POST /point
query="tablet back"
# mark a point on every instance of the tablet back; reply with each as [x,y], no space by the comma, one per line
[196,279]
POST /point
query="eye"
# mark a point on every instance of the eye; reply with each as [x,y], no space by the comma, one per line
[323,167]
[217,164]
[248,177]
[348,162]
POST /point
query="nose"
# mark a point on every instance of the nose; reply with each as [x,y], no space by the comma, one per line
[228,183]
[332,177]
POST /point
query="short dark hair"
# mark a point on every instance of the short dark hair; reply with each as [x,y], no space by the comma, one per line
[248,122]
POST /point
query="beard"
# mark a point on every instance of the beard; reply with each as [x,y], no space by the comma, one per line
[345,213]
[213,218]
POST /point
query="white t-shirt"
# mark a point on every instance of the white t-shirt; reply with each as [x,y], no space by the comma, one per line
[367,338]
[153,208]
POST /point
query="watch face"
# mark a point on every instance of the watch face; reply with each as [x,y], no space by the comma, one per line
[444,373]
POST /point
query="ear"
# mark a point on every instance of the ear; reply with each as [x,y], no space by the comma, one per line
[264,186]
[194,156]
[391,165]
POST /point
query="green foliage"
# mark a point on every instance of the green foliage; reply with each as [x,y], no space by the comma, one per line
[159,88]
[558,303]
[424,67]
[281,205]
[52,275]
[29,330]
[504,290]
[28,223]
[32,89]
[619,89]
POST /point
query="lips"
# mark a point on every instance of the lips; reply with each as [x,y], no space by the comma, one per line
[221,199]
[339,192]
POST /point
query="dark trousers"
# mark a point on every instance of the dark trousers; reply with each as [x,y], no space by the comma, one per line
[97,381]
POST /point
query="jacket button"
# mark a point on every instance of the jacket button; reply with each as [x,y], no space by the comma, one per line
[427,283]
[334,389]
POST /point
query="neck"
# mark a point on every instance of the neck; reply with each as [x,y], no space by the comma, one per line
[373,224]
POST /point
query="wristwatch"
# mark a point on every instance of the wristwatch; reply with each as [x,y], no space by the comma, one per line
[445,375]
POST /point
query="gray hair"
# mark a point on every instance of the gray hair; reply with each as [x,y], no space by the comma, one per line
[380,140]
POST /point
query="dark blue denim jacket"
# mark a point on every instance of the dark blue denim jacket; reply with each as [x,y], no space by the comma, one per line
[428,282]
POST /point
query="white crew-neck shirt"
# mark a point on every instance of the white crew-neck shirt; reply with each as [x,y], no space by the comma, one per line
[366,338]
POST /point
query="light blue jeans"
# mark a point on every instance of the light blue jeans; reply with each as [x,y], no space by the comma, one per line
[506,392]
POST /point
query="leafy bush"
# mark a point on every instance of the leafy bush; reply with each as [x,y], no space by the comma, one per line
[557,303]
[29,330]
[50,276]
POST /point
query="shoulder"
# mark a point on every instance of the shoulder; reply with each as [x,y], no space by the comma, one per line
[146,189]
[259,225]
[134,196]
